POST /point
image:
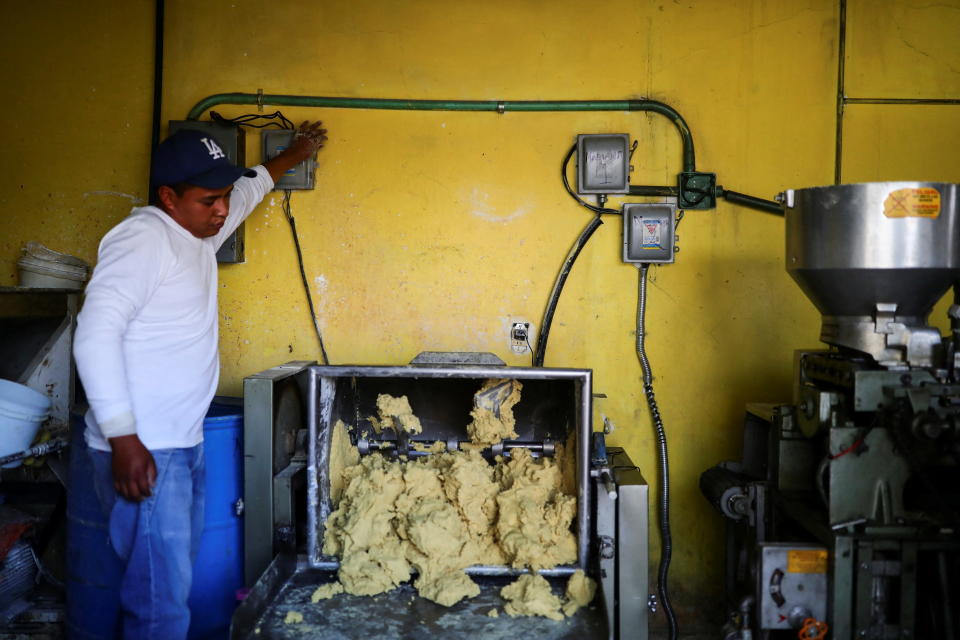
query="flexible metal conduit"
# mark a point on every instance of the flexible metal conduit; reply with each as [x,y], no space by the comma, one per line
[260,99]
[666,543]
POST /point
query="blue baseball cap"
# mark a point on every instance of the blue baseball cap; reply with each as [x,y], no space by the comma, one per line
[194,157]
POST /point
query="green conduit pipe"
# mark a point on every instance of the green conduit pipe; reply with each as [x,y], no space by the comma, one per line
[260,99]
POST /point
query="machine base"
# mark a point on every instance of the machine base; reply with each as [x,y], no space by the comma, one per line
[399,614]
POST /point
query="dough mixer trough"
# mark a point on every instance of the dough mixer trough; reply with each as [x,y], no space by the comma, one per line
[553,419]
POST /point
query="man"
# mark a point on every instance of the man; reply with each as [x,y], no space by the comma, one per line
[146,352]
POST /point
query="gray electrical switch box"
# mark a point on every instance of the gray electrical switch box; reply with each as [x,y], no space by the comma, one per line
[301,176]
[792,583]
[603,163]
[648,232]
[230,138]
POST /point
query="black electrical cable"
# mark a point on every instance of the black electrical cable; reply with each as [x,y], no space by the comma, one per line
[275,119]
[157,75]
[575,250]
[666,543]
[568,262]
[303,274]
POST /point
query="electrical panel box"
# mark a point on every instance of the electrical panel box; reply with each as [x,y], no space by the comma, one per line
[648,232]
[299,177]
[603,163]
[231,139]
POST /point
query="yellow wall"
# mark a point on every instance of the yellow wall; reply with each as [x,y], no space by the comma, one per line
[903,49]
[432,231]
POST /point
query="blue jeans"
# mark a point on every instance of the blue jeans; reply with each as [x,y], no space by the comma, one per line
[157,540]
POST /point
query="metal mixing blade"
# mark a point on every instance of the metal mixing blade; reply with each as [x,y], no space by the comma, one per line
[491,399]
[403,438]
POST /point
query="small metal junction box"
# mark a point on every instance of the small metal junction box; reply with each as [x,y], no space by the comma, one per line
[301,176]
[648,232]
[603,163]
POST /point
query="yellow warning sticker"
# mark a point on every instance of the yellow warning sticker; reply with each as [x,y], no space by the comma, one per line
[807,561]
[912,203]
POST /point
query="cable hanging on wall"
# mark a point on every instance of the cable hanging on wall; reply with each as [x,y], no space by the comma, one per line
[303,274]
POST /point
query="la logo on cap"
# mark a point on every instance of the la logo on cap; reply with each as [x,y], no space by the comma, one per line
[213,148]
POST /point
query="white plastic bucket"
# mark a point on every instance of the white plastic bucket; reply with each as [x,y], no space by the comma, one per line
[22,411]
[41,267]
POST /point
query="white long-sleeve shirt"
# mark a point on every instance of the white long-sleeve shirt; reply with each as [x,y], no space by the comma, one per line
[146,339]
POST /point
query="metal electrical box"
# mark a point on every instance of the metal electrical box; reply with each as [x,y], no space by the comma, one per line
[231,140]
[648,232]
[792,584]
[299,177]
[603,163]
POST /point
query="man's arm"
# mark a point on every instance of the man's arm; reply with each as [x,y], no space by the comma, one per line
[308,139]
[127,272]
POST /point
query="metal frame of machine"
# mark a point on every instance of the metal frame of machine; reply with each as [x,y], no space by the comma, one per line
[273,416]
[287,484]
[862,468]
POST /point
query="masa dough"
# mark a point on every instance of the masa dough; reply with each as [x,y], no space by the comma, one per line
[533,527]
[580,592]
[492,412]
[432,514]
[441,513]
[393,409]
[530,595]
[326,591]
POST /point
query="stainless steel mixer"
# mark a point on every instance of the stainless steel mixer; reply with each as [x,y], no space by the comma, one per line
[289,413]
[845,502]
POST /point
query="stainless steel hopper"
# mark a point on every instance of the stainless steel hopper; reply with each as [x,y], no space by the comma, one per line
[874,258]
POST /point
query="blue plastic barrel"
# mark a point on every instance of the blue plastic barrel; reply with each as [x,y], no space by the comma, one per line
[218,570]
[94,570]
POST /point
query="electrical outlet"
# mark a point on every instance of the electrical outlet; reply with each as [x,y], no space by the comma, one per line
[520,337]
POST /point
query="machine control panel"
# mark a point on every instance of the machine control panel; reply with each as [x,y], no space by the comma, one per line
[648,233]
[301,176]
[603,163]
[792,585]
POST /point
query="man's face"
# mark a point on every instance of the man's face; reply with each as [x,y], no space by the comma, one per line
[199,210]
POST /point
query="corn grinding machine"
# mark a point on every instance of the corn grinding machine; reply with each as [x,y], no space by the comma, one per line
[289,414]
[842,513]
